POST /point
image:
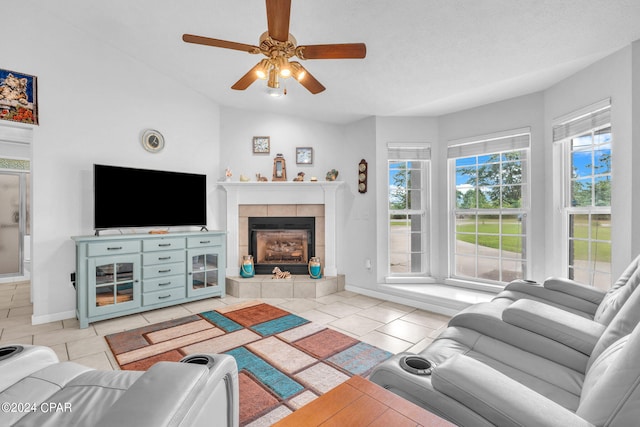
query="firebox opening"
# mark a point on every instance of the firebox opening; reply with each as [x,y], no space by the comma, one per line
[285,242]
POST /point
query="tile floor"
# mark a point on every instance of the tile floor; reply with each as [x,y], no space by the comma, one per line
[387,325]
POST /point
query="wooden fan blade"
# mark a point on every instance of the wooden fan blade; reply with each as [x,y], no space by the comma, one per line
[310,82]
[278,14]
[190,38]
[333,51]
[246,80]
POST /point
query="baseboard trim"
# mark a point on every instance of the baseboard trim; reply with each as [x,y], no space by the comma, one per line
[63,315]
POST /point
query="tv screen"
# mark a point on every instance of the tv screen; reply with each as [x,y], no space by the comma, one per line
[127,197]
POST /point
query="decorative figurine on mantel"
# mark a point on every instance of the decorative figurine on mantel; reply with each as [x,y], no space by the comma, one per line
[261,178]
[279,168]
[279,274]
[228,174]
[332,175]
[300,177]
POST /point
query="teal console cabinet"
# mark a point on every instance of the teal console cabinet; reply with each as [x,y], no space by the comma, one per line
[118,275]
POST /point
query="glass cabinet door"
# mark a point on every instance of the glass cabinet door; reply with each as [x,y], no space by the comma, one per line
[203,272]
[114,284]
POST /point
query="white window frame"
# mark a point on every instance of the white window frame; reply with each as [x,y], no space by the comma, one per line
[587,120]
[499,142]
[410,152]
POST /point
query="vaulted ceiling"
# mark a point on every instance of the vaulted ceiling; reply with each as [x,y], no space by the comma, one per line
[424,57]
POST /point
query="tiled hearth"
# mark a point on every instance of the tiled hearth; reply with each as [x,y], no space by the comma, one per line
[298,286]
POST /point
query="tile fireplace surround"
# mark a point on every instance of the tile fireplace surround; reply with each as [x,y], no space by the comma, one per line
[316,199]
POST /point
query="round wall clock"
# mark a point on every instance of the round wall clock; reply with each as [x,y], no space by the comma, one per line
[152,140]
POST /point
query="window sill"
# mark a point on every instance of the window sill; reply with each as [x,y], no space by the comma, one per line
[469,284]
[399,280]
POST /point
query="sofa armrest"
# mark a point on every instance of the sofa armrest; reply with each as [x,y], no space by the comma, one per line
[21,360]
[569,329]
[160,397]
[573,288]
[498,398]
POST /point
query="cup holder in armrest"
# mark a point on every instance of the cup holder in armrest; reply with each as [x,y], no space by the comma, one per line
[529,281]
[417,365]
[199,359]
[10,351]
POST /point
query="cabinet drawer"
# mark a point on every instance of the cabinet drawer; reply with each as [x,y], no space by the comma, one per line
[162,257]
[162,244]
[161,283]
[113,248]
[151,271]
[159,297]
[199,242]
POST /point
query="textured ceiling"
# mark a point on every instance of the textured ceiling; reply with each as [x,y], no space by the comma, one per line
[424,57]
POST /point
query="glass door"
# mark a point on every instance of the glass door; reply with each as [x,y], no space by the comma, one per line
[203,272]
[12,222]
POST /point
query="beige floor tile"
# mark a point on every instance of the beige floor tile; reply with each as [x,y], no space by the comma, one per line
[119,324]
[26,339]
[382,314]
[407,331]
[61,336]
[330,299]
[22,330]
[397,306]
[203,305]
[420,345]
[299,305]
[339,309]
[162,314]
[356,324]
[426,318]
[318,317]
[362,301]
[386,342]
[61,351]
[4,312]
[87,346]
[98,361]
[347,294]
[20,311]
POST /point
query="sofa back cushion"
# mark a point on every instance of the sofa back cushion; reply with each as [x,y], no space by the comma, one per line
[611,390]
[619,293]
[623,324]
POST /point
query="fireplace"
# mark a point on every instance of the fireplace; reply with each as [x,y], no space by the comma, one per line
[284,242]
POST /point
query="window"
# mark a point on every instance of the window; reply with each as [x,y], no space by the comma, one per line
[586,144]
[490,202]
[407,206]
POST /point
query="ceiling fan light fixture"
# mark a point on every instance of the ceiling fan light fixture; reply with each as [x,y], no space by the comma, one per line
[263,69]
[273,79]
[284,67]
[297,71]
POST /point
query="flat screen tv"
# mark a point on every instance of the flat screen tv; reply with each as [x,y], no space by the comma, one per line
[128,197]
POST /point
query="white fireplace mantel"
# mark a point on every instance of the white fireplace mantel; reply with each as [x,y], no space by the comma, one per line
[282,193]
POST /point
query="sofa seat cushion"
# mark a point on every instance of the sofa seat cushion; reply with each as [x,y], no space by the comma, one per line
[559,383]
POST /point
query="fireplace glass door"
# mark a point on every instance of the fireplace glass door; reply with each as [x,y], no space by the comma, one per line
[282,246]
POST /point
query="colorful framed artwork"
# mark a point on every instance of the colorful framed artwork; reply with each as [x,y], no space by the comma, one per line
[304,155]
[261,145]
[18,97]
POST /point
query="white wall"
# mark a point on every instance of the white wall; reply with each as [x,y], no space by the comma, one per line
[94,102]
[520,112]
[610,77]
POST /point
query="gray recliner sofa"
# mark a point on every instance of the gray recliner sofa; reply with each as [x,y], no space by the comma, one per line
[38,390]
[546,357]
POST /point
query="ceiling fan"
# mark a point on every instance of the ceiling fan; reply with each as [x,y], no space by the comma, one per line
[279,46]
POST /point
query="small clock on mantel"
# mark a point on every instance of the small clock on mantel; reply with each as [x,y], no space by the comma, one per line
[363,170]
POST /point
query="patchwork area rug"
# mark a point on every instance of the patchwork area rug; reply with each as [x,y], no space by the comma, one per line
[284,361]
